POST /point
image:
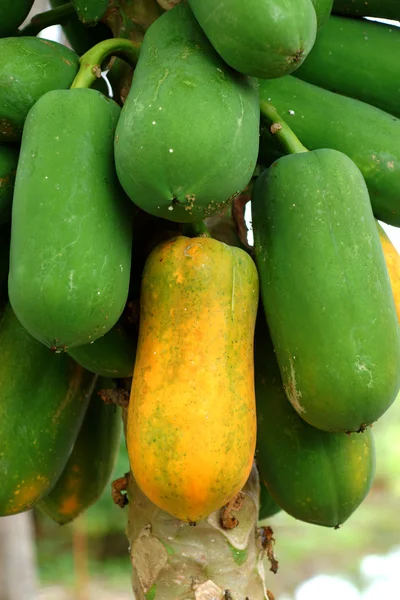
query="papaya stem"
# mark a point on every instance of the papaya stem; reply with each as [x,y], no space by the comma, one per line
[198,229]
[91,61]
[289,142]
[57,16]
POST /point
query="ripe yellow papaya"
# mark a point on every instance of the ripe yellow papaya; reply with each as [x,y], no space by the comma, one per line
[191,419]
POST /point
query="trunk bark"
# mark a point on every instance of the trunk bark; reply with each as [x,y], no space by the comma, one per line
[17,558]
[172,560]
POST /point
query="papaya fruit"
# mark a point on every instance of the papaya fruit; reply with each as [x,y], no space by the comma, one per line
[188,135]
[323,9]
[79,37]
[8,168]
[261,38]
[12,15]
[90,11]
[322,119]
[191,417]
[387,9]
[91,462]
[315,476]
[392,259]
[326,290]
[5,235]
[369,76]
[71,223]
[43,400]
[112,355]
[33,67]
[268,507]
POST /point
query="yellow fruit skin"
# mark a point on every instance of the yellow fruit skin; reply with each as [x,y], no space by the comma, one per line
[191,423]
[392,259]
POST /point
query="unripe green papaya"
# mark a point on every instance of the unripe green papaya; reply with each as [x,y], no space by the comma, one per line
[12,15]
[326,290]
[8,168]
[262,38]
[187,139]
[90,11]
[5,235]
[112,355]
[82,38]
[315,476]
[387,9]
[268,507]
[369,76]
[366,134]
[71,223]
[33,67]
[323,9]
[91,462]
[43,399]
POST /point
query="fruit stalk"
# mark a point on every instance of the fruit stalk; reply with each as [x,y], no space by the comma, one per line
[288,141]
[91,61]
[172,560]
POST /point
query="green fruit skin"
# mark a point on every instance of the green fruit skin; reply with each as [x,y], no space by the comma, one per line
[112,355]
[42,404]
[12,15]
[71,223]
[326,290]
[322,119]
[8,168]
[262,38]
[188,135]
[82,38]
[91,462]
[369,76]
[268,507]
[389,9]
[323,9]
[5,235]
[315,476]
[33,67]
[90,11]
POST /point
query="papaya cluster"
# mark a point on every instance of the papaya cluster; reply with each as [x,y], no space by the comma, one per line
[124,264]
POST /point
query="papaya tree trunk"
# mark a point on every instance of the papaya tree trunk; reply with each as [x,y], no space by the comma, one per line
[172,560]
[17,558]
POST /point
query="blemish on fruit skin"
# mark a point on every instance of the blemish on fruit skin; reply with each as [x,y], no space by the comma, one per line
[291,390]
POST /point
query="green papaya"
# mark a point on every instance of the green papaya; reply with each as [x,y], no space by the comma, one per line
[91,462]
[262,38]
[82,38]
[387,9]
[326,290]
[33,67]
[90,11]
[315,476]
[71,223]
[112,355]
[43,400]
[369,76]
[5,235]
[323,9]
[322,119]
[268,507]
[187,139]
[8,168]
[12,15]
